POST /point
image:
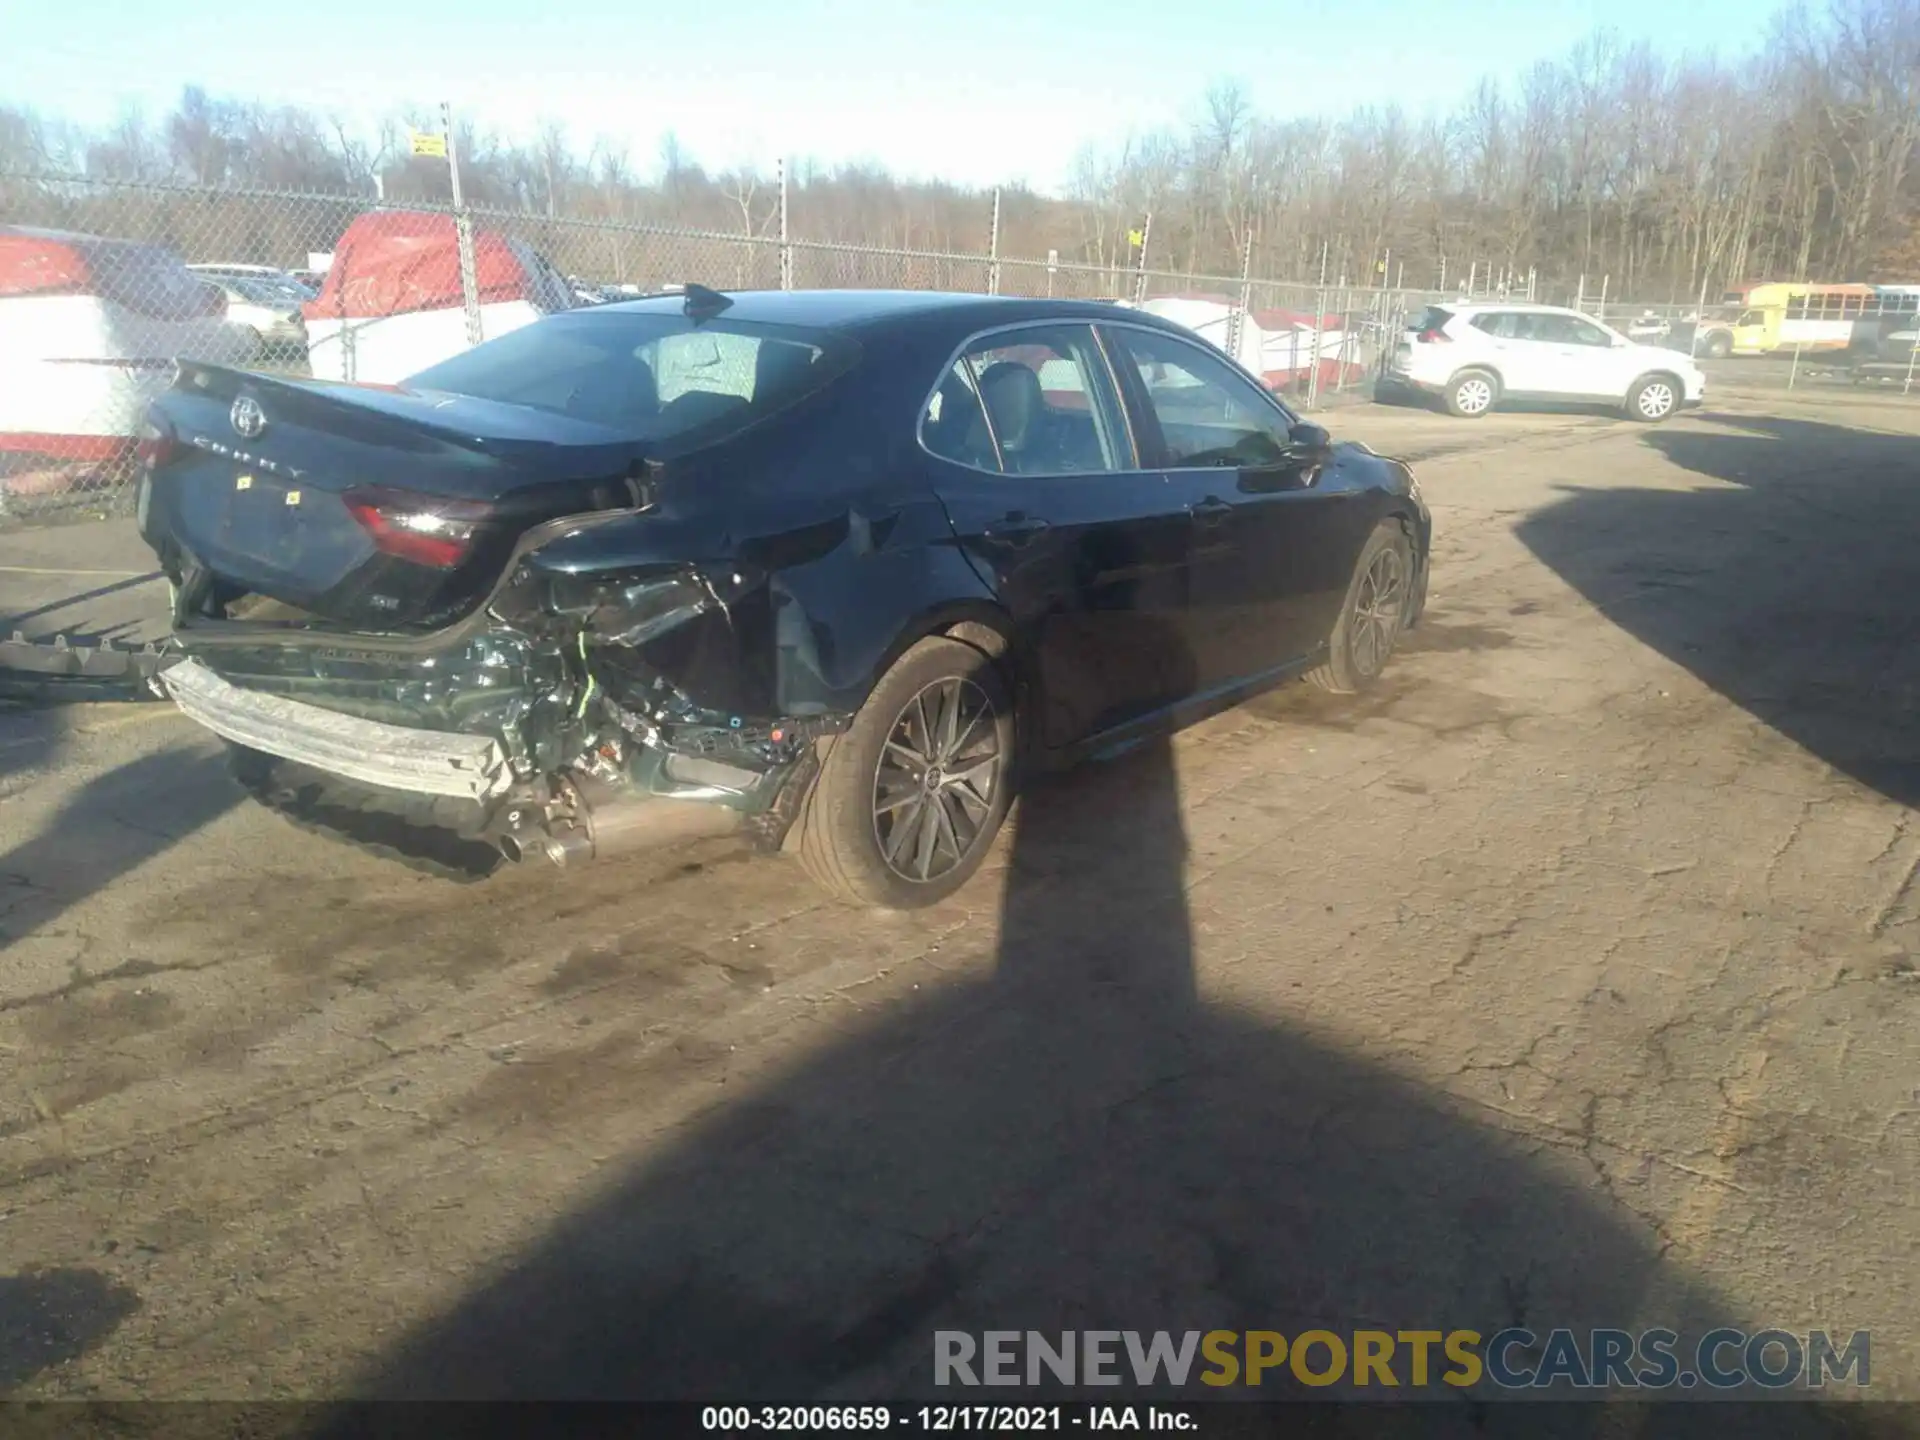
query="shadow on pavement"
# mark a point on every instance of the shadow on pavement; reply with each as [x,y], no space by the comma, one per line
[1792,588]
[115,822]
[1079,1142]
[48,1317]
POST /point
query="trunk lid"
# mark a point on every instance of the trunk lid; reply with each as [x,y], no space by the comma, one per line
[371,508]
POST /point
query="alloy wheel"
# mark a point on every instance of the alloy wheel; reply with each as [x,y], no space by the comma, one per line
[1656,399]
[1377,611]
[938,776]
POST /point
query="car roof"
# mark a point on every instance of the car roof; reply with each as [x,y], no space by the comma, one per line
[869,309]
[1527,305]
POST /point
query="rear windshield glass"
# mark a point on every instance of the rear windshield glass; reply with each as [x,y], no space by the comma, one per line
[262,290]
[1431,318]
[150,281]
[655,376]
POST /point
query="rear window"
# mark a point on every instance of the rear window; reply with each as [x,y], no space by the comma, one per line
[150,281]
[1431,318]
[657,376]
[263,291]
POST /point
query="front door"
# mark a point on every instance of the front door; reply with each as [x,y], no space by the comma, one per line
[1582,359]
[1088,552]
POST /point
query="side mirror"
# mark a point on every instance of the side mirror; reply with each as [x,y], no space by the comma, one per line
[1307,438]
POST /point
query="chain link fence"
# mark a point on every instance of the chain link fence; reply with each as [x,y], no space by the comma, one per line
[104,284]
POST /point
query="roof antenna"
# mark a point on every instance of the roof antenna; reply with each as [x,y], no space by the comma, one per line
[704,304]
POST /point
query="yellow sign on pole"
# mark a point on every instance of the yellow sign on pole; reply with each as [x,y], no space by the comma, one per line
[433,145]
[1134,237]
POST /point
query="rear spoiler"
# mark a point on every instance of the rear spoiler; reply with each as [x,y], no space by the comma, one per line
[311,399]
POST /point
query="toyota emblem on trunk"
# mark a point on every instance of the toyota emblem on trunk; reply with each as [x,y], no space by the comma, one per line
[249,420]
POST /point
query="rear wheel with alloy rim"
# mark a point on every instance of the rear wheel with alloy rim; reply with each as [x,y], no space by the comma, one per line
[1375,613]
[909,799]
[1652,399]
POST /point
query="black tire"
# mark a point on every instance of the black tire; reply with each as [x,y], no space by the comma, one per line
[1471,394]
[845,833]
[1719,346]
[1653,398]
[1370,622]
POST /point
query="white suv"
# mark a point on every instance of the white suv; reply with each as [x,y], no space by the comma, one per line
[1475,356]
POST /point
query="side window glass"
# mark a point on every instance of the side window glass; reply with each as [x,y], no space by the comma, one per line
[1497,324]
[1582,333]
[1208,413]
[1045,411]
[954,426]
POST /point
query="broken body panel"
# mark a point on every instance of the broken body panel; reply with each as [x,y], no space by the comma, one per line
[646,635]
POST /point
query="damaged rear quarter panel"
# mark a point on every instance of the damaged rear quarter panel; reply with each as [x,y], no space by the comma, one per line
[849,558]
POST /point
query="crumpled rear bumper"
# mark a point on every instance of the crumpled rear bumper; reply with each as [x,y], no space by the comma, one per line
[424,762]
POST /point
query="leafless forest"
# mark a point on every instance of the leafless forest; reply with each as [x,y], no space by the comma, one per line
[1789,156]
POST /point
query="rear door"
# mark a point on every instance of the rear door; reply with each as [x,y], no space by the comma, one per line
[1511,346]
[1088,551]
[1272,551]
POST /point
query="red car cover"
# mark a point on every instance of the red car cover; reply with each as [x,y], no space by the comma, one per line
[395,262]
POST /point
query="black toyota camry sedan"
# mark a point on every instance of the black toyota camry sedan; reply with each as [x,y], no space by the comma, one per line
[830,569]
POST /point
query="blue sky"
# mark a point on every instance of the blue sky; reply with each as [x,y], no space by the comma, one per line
[995,90]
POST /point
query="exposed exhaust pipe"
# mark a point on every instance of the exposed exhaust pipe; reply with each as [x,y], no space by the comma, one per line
[621,824]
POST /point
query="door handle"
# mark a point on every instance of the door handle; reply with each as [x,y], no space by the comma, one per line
[1210,511]
[1017,527]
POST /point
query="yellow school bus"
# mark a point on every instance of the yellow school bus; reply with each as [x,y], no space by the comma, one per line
[1801,317]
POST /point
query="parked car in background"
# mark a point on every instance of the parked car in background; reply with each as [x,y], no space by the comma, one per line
[829,569]
[1474,357]
[270,276]
[89,331]
[265,311]
[1648,329]
[393,302]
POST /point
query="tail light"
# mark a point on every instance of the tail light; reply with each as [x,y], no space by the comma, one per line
[424,529]
[1433,337]
[156,445]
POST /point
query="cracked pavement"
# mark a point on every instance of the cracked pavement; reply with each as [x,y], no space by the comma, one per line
[1568,978]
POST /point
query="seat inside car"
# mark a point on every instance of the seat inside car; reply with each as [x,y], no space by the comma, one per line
[614,392]
[1015,403]
[779,366]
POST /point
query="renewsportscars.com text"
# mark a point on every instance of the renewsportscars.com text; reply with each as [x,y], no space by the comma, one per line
[1511,1359]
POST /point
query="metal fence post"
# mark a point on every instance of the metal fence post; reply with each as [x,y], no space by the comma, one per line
[1140,280]
[1237,319]
[786,249]
[463,232]
[1313,364]
[993,247]
[1793,370]
[1913,353]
